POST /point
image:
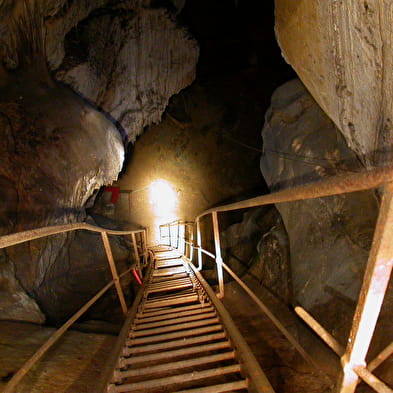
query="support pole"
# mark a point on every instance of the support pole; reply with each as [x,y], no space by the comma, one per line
[115,276]
[178,235]
[199,244]
[144,247]
[375,282]
[192,243]
[220,273]
[381,357]
[136,253]
[169,235]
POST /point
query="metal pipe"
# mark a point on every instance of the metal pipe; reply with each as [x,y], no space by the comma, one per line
[136,253]
[144,246]
[372,380]
[363,372]
[375,282]
[336,185]
[320,330]
[115,276]
[177,240]
[220,272]
[13,382]
[381,357]
[32,234]
[192,244]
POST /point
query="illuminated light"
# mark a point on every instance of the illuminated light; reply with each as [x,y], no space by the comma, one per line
[163,200]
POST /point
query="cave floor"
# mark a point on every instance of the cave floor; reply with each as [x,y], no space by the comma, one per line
[73,365]
[286,370]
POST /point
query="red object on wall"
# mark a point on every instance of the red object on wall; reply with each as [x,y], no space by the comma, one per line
[115,193]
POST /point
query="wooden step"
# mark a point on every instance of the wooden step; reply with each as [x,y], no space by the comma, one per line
[174,328]
[186,351]
[183,342]
[174,380]
[179,365]
[174,321]
[174,335]
[222,388]
[175,314]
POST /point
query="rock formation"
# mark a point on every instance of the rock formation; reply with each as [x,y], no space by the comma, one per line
[57,148]
[329,240]
[342,52]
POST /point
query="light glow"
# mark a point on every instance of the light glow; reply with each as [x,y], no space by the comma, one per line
[163,200]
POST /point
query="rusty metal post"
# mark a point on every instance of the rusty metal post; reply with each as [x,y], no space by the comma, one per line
[144,246]
[320,330]
[375,282]
[136,253]
[220,272]
[115,276]
[192,243]
[199,244]
[381,357]
[184,239]
[178,234]
[169,235]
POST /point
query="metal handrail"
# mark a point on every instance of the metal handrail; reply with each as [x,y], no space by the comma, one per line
[33,234]
[376,277]
[334,185]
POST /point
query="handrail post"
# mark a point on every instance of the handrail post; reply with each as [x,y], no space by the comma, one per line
[115,276]
[375,282]
[192,243]
[144,246]
[199,244]
[136,253]
[169,235]
[178,235]
[184,246]
[220,272]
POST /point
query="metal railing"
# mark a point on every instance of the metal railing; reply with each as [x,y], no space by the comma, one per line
[138,239]
[375,280]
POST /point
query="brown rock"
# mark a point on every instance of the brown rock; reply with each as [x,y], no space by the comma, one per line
[342,53]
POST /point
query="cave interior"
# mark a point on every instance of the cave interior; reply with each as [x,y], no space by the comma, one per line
[129,115]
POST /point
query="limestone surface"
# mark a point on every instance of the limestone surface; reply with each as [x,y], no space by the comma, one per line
[342,51]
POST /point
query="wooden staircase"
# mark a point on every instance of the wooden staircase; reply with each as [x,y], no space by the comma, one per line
[177,341]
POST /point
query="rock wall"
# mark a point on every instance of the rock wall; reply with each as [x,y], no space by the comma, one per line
[343,53]
[328,237]
[127,59]
[58,150]
[258,245]
[132,63]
